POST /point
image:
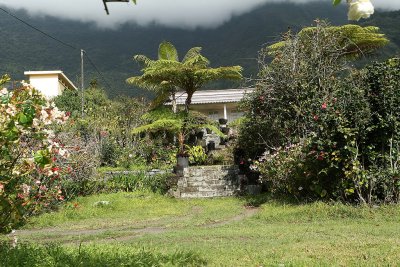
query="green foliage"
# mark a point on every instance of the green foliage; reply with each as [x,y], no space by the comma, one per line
[168,73]
[182,124]
[110,152]
[197,155]
[106,124]
[89,255]
[69,101]
[139,181]
[325,130]
[220,157]
[120,181]
[354,40]
[30,156]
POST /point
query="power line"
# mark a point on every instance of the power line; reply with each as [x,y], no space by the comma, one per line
[36,29]
[59,41]
[98,71]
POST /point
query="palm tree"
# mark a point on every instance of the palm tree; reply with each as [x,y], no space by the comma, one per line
[167,73]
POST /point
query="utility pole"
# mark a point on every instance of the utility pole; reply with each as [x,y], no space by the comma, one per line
[82,86]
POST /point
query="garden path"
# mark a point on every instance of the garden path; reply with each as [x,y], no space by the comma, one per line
[123,232]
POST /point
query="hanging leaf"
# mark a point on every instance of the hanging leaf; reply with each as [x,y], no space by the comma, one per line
[336,2]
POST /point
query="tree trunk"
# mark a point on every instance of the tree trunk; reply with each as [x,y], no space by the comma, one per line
[188,101]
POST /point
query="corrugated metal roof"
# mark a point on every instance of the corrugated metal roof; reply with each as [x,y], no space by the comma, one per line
[213,96]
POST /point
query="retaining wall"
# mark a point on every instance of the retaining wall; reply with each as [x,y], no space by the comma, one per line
[207,181]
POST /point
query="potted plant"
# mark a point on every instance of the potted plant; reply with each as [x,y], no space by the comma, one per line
[182,157]
[225,130]
[223,121]
[200,134]
[182,124]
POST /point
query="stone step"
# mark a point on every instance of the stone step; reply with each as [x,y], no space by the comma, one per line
[209,183]
[208,188]
[205,194]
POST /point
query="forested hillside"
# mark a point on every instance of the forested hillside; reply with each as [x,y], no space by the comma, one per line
[236,42]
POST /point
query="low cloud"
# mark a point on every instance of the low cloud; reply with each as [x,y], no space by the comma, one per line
[172,13]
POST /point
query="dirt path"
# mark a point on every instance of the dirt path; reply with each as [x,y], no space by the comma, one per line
[121,233]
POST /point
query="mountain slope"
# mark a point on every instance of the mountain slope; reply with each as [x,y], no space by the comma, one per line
[235,42]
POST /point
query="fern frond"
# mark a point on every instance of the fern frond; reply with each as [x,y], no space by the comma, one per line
[214,129]
[142,59]
[192,52]
[167,51]
[159,125]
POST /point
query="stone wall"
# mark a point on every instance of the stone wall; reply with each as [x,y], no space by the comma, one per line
[207,181]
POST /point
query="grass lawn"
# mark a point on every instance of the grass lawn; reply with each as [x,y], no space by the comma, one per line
[218,232]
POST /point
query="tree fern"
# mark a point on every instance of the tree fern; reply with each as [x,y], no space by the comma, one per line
[354,39]
[168,73]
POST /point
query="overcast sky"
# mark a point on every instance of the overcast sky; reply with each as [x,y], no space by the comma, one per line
[174,13]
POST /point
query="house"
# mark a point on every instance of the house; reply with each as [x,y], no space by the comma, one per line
[50,83]
[216,104]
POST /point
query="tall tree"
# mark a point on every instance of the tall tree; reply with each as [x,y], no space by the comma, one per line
[168,73]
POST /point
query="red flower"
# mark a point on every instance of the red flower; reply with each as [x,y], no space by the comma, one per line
[316,117]
[55,169]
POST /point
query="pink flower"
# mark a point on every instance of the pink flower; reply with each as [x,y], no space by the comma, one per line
[323,106]
[316,117]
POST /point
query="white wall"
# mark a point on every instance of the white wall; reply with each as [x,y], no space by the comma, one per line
[47,84]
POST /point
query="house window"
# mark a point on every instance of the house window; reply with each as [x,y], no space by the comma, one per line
[235,114]
[213,115]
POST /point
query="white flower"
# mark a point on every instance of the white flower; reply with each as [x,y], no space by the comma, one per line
[26,189]
[11,110]
[4,91]
[360,9]
[35,123]
[50,134]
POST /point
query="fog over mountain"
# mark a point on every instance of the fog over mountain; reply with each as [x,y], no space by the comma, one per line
[235,42]
[186,14]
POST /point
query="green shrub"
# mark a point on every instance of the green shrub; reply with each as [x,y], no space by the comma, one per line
[109,153]
[140,181]
[197,155]
[324,130]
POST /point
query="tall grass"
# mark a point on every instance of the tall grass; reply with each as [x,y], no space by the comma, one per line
[91,255]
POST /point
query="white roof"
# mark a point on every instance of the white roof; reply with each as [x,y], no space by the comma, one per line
[61,76]
[213,96]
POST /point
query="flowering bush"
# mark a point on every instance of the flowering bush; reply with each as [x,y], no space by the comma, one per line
[330,131]
[30,156]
